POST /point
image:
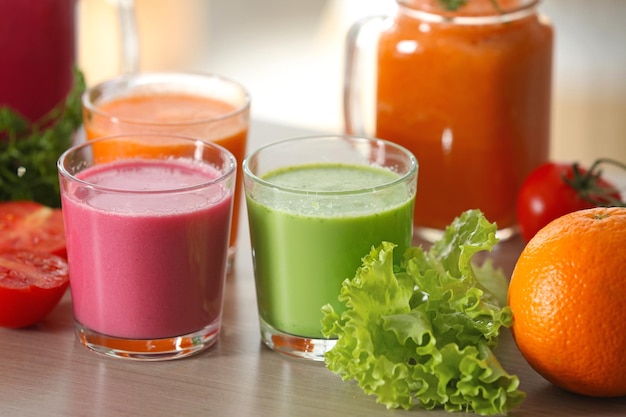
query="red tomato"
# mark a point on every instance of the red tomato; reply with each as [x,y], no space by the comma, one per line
[31,226]
[555,189]
[31,285]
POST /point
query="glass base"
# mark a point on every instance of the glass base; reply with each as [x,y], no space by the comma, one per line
[296,346]
[149,349]
[431,235]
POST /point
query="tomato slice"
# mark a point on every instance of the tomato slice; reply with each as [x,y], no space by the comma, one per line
[31,226]
[31,285]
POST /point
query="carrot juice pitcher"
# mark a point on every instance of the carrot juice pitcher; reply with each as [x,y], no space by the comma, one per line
[465,86]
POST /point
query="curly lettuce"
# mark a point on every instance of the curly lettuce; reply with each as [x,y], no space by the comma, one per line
[422,333]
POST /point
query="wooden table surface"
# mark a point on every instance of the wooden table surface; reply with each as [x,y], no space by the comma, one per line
[44,371]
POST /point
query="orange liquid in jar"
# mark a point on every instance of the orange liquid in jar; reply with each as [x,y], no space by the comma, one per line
[178,114]
[472,102]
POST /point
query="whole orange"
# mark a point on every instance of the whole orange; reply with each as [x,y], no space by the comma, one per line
[568,297]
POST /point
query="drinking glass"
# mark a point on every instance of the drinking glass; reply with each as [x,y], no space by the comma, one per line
[38,39]
[203,106]
[147,241]
[316,206]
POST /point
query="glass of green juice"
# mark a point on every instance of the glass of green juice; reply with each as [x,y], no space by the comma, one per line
[316,206]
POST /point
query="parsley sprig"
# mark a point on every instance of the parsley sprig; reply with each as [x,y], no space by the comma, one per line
[29,151]
[453,5]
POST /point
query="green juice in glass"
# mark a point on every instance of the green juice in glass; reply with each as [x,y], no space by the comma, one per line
[305,243]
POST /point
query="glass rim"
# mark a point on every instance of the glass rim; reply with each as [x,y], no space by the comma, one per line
[223,176]
[402,177]
[504,15]
[161,78]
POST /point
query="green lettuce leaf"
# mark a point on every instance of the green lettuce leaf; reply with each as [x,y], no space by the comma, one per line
[422,333]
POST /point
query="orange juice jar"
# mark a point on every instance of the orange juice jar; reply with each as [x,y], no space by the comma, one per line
[468,91]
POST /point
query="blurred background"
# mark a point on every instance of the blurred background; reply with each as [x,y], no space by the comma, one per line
[289,54]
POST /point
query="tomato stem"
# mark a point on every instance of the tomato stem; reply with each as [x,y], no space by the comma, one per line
[587,184]
[599,161]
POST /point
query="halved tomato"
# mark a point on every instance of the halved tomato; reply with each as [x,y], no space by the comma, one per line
[31,285]
[31,226]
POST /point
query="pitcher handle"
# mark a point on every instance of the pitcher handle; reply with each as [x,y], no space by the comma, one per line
[130,40]
[359,81]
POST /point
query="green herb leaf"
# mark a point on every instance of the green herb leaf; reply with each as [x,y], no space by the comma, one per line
[452,5]
[29,152]
[421,333]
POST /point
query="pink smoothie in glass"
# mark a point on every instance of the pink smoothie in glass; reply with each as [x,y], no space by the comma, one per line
[37,40]
[158,265]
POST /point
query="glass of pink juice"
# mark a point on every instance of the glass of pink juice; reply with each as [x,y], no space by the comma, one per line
[38,44]
[147,241]
[37,39]
[203,106]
